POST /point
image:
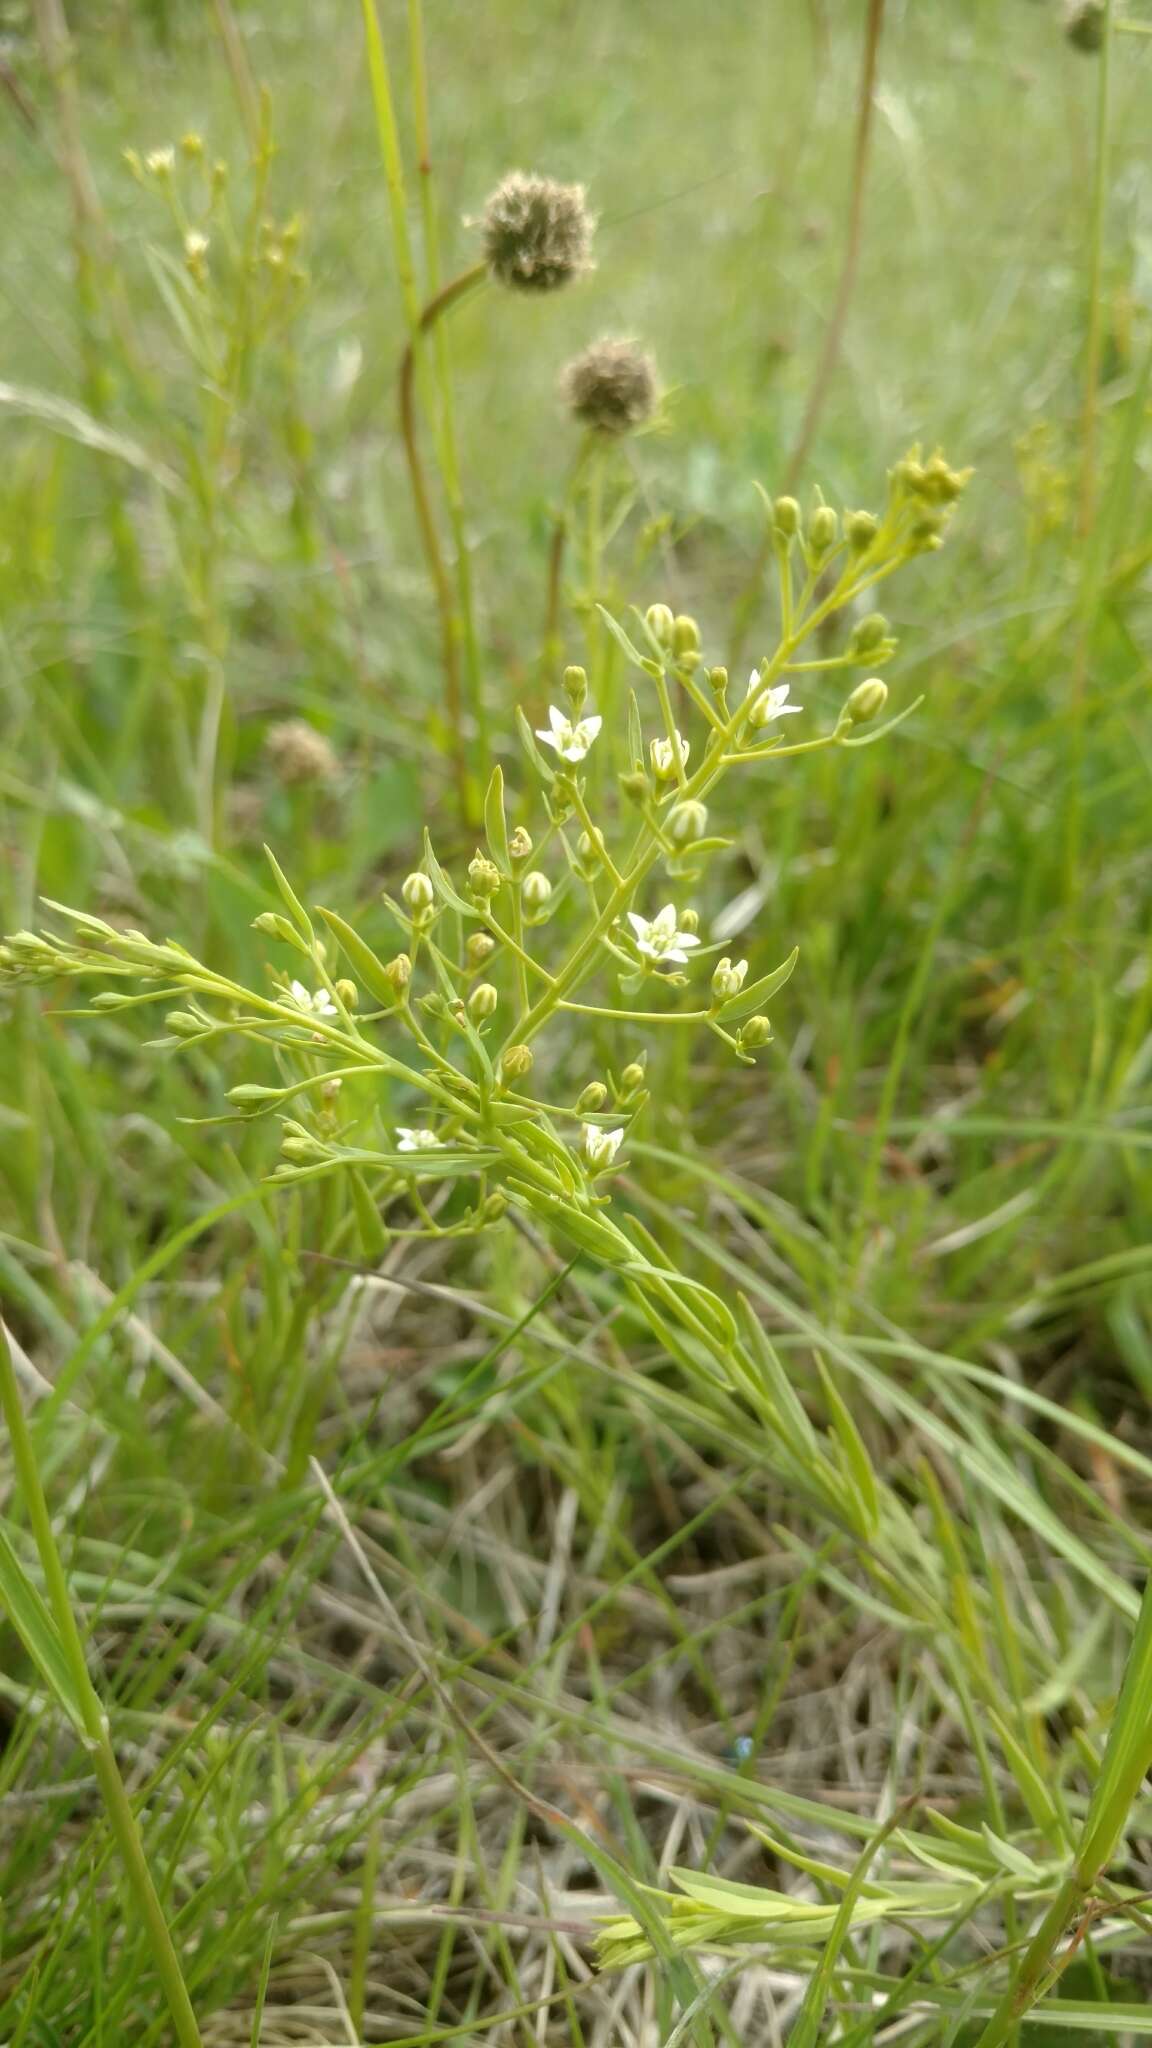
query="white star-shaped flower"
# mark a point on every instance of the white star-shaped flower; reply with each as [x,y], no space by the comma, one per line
[571,741]
[600,1147]
[659,939]
[319,1004]
[415,1141]
[664,760]
[771,704]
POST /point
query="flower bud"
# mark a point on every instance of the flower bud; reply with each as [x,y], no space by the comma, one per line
[822,530]
[669,757]
[483,877]
[866,702]
[686,822]
[575,686]
[861,529]
[588,850]
[689,920]
[494,1206]
[661,624]
[600,1147]
[418,894]
[183,1024]
[632,1078]
[757,1031]
[685,640]
[535,890]
[868,634]
[516,1062]
[482,1001]
[786,518]
[399,972]
[728,980]
[636,786]
[348,993]
[520,844]
[717,681]
[591,1098]
[479,948]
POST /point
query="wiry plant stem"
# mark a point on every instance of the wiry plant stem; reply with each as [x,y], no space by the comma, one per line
[448,296]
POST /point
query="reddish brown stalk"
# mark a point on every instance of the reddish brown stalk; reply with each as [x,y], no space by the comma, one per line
[438,305]
[834,335]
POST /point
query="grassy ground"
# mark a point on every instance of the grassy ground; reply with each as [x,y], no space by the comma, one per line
[571,1620]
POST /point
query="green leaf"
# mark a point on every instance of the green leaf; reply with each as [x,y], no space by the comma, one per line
[366,965]
[443,886]
[528,742]
[869,739]
[292,902]
[630,652]
[761,991]
[34,1626]
[495,821]
[856,1458]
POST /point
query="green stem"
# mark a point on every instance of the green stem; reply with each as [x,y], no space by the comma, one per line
[97,1738]
[447,444]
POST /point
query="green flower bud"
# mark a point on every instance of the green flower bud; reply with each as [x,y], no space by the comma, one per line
[399,972]
[686,640]
[689,920]
[483,877]
[866,702]
[822,530]
[661,624]
[184,1024]
[588,848]
[535,890]
[757,1031]
[861,529]
[516,1062]
[591,1098]
[686,822]
[786,518]
[520,844]
[109,1000]
[418,894]
[868,634]
[575,687]
[717,681]
[636,786]
[632,1078]
[479,948]
[482,1001]
[348,993]
[728,979]
[494,1206]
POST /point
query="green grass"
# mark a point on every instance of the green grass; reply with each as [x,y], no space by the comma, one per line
[555,1610]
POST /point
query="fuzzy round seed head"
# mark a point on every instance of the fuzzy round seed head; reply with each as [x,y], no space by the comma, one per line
[299,753]
[537,234]
[1084,24]
[611,387]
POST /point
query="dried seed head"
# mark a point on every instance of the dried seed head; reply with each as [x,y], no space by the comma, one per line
[611,387]
[300,754]
[537,234]
[1084,24]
